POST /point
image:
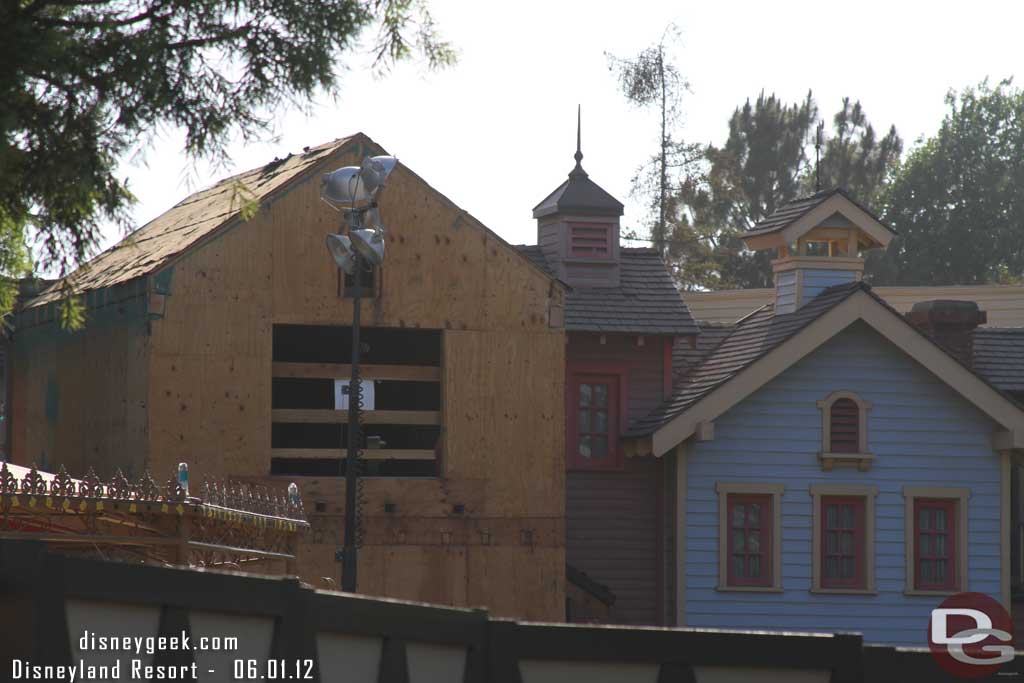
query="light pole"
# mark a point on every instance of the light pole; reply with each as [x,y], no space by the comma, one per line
[355,189]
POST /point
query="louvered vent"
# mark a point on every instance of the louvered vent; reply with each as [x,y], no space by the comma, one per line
[844,427]
[590,239]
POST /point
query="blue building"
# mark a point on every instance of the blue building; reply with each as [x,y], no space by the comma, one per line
[832,465]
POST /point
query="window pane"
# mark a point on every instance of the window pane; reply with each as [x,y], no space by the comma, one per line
[584,422]
[831,517]
[923,519]
[584,448]
[584,394]
[754,566]
[600,447]
[600,422]
[754,542]
[754,515]
[927,575]
[847,565]
[831,545]
[739,514]
[940,520]
[738,541]
[847,543]
[601,395]
[939,542]
[738,566]
[940,571]
[831,568]
[925,544]
[847,516]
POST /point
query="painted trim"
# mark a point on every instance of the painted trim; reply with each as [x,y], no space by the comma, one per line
[861,459]
[961,495]
[868,493]
[680,520]
[798,263]
[1005,528]
[724,489]
[859,306]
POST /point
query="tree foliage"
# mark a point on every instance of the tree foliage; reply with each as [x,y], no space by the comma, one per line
[652,79]
[957,202]
[766,161]
[84,82]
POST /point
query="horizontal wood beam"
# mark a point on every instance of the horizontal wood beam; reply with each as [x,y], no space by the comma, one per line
[408,373]
[386,417]
[368,453]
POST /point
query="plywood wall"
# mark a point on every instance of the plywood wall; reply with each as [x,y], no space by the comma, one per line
[210,391]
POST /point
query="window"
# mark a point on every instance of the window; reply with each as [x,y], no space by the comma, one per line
[844,431]
[594,437]
[844,539]
[750,521]
[936,539]
[590,240]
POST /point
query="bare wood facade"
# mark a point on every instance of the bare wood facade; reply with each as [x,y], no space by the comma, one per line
[221,352]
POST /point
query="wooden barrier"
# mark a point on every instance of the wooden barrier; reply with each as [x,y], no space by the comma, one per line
[51,604]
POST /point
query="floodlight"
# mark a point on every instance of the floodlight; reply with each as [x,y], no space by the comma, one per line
[340,247]
[369,243]
[374,171]
[343,186]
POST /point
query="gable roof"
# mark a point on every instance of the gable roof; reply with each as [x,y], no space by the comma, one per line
[762,345]
[645,302]
[200,214]
[798,216]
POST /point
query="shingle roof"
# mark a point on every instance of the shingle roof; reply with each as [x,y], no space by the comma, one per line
[198,215]
[645,302]
[999,356]
[689,352]
[579,194]
[794,210]
[750,339]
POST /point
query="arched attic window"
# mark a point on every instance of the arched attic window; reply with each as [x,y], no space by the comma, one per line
[844,431]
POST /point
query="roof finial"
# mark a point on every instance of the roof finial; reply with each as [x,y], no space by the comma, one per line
[579,154]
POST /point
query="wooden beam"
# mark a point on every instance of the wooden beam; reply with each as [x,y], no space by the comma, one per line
[387,417]
[368,453]
[408,373]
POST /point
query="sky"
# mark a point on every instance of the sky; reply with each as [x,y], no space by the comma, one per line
[496,133]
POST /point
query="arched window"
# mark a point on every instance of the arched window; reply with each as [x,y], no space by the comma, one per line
[844,431]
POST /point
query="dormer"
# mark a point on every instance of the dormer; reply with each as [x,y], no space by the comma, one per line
[819,241]
[578,230]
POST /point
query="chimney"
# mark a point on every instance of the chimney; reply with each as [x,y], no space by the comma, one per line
[950,323]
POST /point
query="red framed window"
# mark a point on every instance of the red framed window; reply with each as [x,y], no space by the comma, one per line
[844,426]
[595,421]
[935,549]
[842,542]
[590,240]
[750,539]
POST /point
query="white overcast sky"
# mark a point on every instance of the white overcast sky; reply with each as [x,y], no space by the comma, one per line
[496,133]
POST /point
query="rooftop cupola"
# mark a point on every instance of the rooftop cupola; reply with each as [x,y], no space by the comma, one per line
[819,240]
[578,229]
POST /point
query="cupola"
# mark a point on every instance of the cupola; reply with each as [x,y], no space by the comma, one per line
[578,229]
[819,241]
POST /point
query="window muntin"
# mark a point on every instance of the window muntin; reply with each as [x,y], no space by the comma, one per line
[935,544]
[842,545]
[750,539]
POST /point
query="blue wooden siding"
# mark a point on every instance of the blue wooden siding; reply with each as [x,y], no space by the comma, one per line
[816,280]
[785,292]
[921,432]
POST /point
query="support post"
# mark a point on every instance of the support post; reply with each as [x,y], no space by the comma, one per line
[349,559]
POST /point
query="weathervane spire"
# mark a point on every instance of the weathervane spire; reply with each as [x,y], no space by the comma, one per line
[579,153]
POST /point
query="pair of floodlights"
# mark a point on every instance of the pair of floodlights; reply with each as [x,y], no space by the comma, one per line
[355,189]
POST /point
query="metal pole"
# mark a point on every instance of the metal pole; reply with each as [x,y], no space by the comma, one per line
[349,560]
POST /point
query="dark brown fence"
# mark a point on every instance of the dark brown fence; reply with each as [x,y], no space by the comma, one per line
[284,631]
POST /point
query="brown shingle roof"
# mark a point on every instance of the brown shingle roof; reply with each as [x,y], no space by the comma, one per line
[999,356]
[645,302]
[750,339]
[198,215]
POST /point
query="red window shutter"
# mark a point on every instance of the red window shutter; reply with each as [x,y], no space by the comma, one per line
[935,544]
[590,240]
[842,542]
[750,524]
[844,426]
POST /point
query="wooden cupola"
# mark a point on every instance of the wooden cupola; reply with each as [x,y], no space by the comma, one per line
[578,229]
[819,241]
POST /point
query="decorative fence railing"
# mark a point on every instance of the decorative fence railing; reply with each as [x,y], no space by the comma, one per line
[223,627]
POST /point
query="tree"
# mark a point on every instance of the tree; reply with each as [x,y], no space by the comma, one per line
[83,82]
[957,202]
[651,79]
[766,162]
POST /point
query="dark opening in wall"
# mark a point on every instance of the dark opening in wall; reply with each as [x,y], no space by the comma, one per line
[330,467]
[322,435]
[297,393]
[333,344]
